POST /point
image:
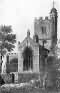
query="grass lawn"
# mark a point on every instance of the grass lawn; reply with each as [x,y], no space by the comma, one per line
[29,87]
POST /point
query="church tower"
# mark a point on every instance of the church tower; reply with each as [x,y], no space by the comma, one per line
[46,29]
[53,16]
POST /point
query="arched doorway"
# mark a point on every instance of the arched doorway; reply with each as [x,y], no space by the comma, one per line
[27,59]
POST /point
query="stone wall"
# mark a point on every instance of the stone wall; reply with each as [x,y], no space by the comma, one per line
[26,77]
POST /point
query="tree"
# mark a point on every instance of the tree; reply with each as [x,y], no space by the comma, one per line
[1,81]
[7,40]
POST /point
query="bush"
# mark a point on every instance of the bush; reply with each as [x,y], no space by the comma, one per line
[1,80]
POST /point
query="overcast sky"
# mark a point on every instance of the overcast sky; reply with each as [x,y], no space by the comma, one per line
[21,13]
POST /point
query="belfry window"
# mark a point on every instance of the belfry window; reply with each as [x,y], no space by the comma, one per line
[27,59]
[43,29]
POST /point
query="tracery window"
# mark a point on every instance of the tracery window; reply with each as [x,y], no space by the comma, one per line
[27,59]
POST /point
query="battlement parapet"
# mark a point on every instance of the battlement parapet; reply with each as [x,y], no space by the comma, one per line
[37,21]
[12,54]
[41,19]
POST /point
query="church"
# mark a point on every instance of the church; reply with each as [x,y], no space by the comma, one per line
[33,52]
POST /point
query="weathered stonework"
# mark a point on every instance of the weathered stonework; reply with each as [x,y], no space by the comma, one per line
[33,53]
[35,49]
[46,29]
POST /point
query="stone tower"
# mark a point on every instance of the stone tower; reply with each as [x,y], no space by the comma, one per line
[46,29]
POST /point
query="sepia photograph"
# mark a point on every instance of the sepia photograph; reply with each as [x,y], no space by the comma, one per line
[29,46]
